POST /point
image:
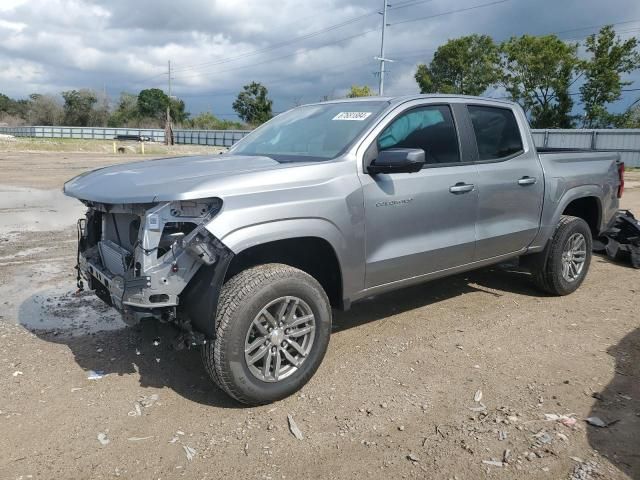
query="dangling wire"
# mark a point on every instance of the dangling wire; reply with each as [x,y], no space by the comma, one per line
[79,282]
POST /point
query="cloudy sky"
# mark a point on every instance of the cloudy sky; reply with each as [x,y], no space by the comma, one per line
[301,50]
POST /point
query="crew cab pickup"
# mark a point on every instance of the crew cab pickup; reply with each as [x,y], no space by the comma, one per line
[324,205]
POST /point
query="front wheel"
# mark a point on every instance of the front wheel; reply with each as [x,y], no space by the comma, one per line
[564,264]
[273,328]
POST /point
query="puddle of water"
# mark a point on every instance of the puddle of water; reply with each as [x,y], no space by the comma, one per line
[62,310]
[30,209]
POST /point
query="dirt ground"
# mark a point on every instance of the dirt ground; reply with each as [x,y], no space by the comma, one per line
[395,396]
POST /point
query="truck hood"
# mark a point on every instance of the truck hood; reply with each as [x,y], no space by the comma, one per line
[179,178]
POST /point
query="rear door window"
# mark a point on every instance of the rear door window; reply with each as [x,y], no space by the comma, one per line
[497,133]
[430,128]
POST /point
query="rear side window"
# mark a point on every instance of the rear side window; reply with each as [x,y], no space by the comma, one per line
[430,128]
[497,132]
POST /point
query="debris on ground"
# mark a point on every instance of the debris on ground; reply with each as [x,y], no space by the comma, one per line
[543,437]
[138,439]
[136,412]
[190,452]
[478,396]
[148,401]
[293,427]
[481,408]
[506,455]
[17,372]
[566,420]
[102,438]
[621,241]
[493,463]
[145,401]
[596,422]
[585,471]
[95,375]
[412,457]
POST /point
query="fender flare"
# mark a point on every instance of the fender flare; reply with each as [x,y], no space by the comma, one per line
[576,193]
[260,233]
[548,224]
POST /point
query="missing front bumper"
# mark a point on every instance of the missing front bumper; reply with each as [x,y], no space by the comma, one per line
[181,284]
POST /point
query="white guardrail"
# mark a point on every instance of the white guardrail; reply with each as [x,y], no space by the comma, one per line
[624,141]
[218,138]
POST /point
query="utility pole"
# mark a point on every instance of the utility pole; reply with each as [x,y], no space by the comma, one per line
[382,57]
[168,130]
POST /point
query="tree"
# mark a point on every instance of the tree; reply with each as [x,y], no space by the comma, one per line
[252,105]
[632,117]
[178,112]
[100,112]
[153,102]
[78,106]
[466,65]
[45,110]
[610,57]
[537,73]
[359,91]
[126,111]
[17,109]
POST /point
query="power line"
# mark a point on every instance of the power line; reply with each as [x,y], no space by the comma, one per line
[297,52]
[482,5]
[410,3]
[277,45]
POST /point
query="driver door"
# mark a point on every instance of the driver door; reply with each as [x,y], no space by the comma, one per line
[424,222]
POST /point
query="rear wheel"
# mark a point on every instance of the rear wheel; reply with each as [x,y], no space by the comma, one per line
[564,264]
[273,328]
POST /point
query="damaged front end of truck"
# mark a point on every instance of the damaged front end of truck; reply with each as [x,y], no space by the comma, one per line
[155,260]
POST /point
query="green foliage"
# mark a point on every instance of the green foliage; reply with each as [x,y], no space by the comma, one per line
[17,108]
[153,102]
[178,113]
[252,105]
[359,91]
[632,117]
[537,73]
[466,65]
[126,111]
[610,57]
[78,106]
[208,121]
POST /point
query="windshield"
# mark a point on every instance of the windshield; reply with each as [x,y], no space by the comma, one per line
[310,133]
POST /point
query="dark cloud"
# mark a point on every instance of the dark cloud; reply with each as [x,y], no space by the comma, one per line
[218,46]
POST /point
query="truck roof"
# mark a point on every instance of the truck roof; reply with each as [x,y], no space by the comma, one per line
[406,98]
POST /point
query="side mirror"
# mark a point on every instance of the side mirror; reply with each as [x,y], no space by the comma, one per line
[398,160]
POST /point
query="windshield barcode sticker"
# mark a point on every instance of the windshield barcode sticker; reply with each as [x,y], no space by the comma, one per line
[357,116]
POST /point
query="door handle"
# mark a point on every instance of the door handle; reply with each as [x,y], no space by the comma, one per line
[527,180]
[461,187]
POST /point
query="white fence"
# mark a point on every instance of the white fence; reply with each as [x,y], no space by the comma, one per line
[624,141]
[219,138]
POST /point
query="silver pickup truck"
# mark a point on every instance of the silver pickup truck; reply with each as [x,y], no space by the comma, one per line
[326,204]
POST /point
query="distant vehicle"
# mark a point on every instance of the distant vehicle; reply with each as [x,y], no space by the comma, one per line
[327,204]
[135,138]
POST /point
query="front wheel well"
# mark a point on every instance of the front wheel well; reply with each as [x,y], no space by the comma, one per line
[312,255]
[588,209]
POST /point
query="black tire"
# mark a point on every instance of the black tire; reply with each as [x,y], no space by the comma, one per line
[241,300]
[547,266]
